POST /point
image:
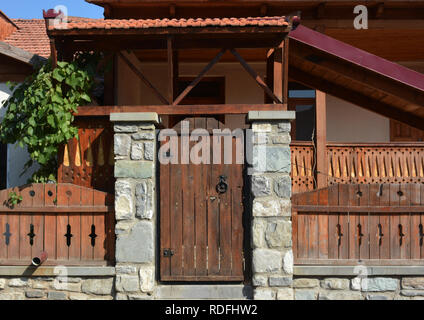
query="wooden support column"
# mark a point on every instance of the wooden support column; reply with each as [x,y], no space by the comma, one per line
[53,53]
[321,139]
[277,71]
[173,70]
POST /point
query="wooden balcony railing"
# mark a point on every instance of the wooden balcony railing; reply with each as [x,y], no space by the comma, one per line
[303,166]
[375,163]
[364,163]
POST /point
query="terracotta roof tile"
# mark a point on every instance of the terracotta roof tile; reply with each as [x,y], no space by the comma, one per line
[170,23]
[31,36]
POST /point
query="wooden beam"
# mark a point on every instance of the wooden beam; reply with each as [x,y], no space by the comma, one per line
[255,76]
[199,110]
[278,72]
[263,10]
[321,139]
[199,77]
[172,10]
[380,10]
[355,98]
[286,71]
[132,61]
[320,11]
[173,69]
[53,53]
[269,72]
[361,75]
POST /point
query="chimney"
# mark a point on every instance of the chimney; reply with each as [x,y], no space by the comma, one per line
[51,15]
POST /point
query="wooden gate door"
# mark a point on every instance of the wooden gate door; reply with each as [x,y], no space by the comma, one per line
[201,228]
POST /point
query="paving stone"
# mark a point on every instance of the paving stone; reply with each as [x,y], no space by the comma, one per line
[340,295]
[285,294]
[22,282]
[261,186]
[143,136]
[122,144]
[379,284]
[413,283]
[127,128]
[279,234]
[259,280]
[266,207]
[280,281]
[149,151]
[283,187]
[137,151]
[335,284]
[304,294]
[147,278]
[412,293]
[267,260]
[35,294]
[144,200]
[128,248]
[52,295]
[305,283]
[98,286]
[133,169]
[264,294]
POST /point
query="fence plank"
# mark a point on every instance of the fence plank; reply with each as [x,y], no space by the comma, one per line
[25,222]
[3,245]
[13,247]
[50,235]
[75,247]
[62,250]
[99,222]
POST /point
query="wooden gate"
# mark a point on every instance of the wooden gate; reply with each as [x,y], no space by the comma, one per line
[201,228]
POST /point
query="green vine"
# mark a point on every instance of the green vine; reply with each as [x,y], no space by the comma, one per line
[40,111]
[14,199]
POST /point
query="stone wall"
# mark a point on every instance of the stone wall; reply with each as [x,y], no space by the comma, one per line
[272,257]
[355,288]
[135,206]
[57,288]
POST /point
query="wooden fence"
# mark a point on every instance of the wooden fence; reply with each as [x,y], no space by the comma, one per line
[74,224]
[89,160]
[358,223]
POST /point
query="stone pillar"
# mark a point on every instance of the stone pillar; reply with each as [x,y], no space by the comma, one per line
[272,255]
[135,204]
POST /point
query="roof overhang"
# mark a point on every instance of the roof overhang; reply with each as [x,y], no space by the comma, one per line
[356,76]
[19,54]
[260,32]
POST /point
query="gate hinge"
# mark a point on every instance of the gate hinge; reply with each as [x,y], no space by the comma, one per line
[168,252]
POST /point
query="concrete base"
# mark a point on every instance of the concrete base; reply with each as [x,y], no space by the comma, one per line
[216,292]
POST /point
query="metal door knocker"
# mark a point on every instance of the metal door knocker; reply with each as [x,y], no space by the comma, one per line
[222,185]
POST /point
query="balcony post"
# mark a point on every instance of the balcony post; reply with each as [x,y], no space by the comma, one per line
[321,139]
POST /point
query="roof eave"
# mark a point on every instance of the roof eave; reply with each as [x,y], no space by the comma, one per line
[20,54]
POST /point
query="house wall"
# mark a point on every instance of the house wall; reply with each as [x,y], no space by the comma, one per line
[349,123]
[345,121]
[16,156]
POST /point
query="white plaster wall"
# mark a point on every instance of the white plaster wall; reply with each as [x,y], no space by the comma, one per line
[347,122]
[239,86]
[16,156]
